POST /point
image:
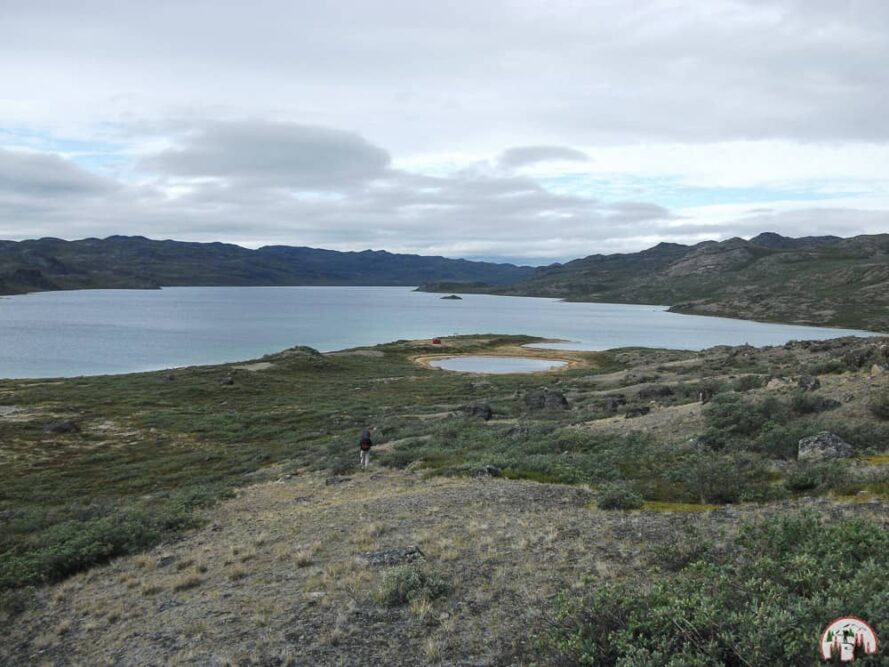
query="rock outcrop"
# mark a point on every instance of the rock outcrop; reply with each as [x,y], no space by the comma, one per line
[546,399]
[822,447]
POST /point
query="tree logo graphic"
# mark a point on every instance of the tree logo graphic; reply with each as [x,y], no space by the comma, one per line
[848,638]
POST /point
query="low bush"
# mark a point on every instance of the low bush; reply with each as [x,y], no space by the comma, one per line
[763,601]
[69,547]
[826,367]
[619,496]
[811,477]
[804,403]
[879,403]
[407,583]
[720,479]
[748,382]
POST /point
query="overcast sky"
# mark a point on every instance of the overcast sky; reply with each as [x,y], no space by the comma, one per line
[528,130]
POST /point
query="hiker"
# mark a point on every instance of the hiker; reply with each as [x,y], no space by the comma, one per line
[365,444]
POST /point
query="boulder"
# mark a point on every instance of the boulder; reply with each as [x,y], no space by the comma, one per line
[61,427]
[823,446]
[808,383]
[637,412]
[879,369]
[612,402]
[388,557]
[477,410]
[546,399]
[228,380]
[487,471]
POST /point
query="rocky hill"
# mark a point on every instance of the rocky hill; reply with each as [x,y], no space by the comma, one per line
[820,280]
[138,262]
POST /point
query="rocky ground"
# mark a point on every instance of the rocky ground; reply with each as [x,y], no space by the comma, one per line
[278,575]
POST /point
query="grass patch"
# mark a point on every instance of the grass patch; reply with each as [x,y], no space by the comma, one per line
[661,506]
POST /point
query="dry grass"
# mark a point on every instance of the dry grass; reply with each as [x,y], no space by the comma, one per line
[504,547]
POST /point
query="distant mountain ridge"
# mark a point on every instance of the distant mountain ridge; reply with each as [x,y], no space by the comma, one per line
[819,280]
[138,262]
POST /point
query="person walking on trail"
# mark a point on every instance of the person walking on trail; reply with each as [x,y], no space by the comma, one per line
[365,444]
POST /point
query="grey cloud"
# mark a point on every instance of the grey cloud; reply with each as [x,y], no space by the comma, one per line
[44,174]
[528,155]
[273,154]
[420,76]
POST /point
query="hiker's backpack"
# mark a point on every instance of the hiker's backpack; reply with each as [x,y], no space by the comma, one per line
[365,442]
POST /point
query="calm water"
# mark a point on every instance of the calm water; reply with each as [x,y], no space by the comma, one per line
[117,331]
[495,365]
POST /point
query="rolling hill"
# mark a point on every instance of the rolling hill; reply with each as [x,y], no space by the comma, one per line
[821,280]
[138,262]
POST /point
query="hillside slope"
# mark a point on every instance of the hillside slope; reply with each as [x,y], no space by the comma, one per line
[821,280]
[137,262]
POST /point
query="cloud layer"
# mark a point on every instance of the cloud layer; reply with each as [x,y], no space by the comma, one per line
[503,128]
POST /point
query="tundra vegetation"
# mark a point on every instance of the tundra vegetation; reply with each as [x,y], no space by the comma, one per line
[637,505]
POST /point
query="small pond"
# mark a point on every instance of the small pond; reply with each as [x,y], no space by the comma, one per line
[496,365]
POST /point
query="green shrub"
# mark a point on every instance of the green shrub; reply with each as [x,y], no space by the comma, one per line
[720,479]
[781,441]
[879,403]
[762,601]
[748,382]
[804,403]
[734,415]
[407,583]
[619,496]
[826,367]
[69,547]
[811,477]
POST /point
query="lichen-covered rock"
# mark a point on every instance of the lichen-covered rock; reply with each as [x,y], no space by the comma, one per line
[388,557]
[809,383]
[61,427]
[637,411]
[823,446]
[546,399]
[477,410]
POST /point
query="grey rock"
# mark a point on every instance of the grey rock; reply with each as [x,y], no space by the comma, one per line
[823,446]
[637,412]
[332,481]
[228,380]
[477,410]
[387,557]
[487,471]
[165,560]
[61,427]
[612,402]
[808,383]
[546,399]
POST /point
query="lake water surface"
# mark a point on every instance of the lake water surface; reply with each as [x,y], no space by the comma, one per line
[495,365]
[93,332]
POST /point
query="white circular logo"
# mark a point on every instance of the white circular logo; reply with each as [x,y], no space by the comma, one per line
[847,638]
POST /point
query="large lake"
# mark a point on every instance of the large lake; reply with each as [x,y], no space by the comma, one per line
[94,332]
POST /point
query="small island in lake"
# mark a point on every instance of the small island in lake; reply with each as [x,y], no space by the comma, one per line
[453,296]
